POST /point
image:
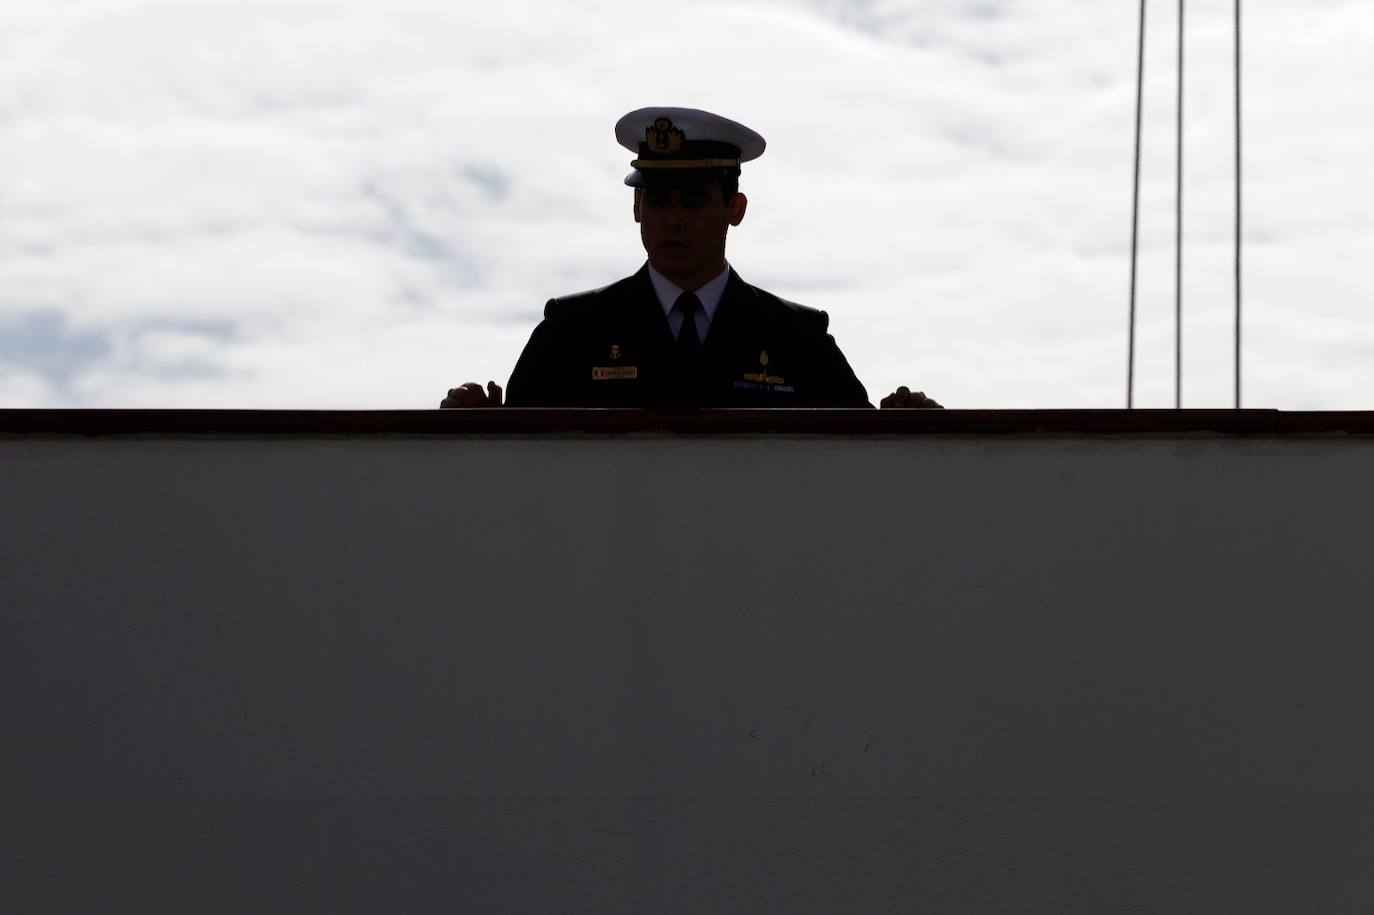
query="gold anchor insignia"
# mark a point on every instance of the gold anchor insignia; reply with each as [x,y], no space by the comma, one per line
[763,358]
[663,138]
[615,350]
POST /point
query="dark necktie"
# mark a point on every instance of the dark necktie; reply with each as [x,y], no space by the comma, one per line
[688,343]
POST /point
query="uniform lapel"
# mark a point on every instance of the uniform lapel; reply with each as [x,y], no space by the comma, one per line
[732,314]
[648,314]
[655,350]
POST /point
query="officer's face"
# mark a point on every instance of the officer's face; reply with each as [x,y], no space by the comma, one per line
[683,229]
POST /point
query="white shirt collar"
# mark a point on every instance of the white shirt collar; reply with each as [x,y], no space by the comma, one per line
[709,294]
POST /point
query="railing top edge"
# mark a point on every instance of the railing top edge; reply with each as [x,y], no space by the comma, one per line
[522,422]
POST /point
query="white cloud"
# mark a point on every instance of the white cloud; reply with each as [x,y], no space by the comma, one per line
[298,203]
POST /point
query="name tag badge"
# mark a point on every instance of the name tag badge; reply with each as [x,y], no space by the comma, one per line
[615,373]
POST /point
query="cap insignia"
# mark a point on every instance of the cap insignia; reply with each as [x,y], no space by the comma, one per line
[663,138]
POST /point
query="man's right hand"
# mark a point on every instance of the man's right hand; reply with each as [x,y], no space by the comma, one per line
[472,395]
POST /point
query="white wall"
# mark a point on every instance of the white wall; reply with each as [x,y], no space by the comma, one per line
[674,673]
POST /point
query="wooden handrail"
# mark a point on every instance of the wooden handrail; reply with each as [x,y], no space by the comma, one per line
[687,422]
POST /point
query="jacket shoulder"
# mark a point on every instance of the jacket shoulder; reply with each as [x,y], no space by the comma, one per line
[803,318]
[579,303]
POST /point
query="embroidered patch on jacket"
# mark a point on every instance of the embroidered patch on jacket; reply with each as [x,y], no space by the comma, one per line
[763,386]
[615,373]
[762,381]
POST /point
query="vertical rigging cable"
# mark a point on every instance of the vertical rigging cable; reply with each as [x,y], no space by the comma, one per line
[1178,213]
[1178,227]
[1135,213]
[1238,201]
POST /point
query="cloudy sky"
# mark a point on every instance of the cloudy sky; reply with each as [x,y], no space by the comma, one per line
[338,203]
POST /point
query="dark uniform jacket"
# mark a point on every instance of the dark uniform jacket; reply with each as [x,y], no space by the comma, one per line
[614,348]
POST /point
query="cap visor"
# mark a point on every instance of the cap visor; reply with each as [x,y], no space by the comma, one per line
[673,177]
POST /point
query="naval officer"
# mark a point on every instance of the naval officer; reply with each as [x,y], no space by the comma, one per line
[685,330]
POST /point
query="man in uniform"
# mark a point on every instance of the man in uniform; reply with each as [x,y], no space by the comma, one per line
[686,330]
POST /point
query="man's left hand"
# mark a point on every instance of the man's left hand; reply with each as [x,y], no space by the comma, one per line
[904,398]
[472,395]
